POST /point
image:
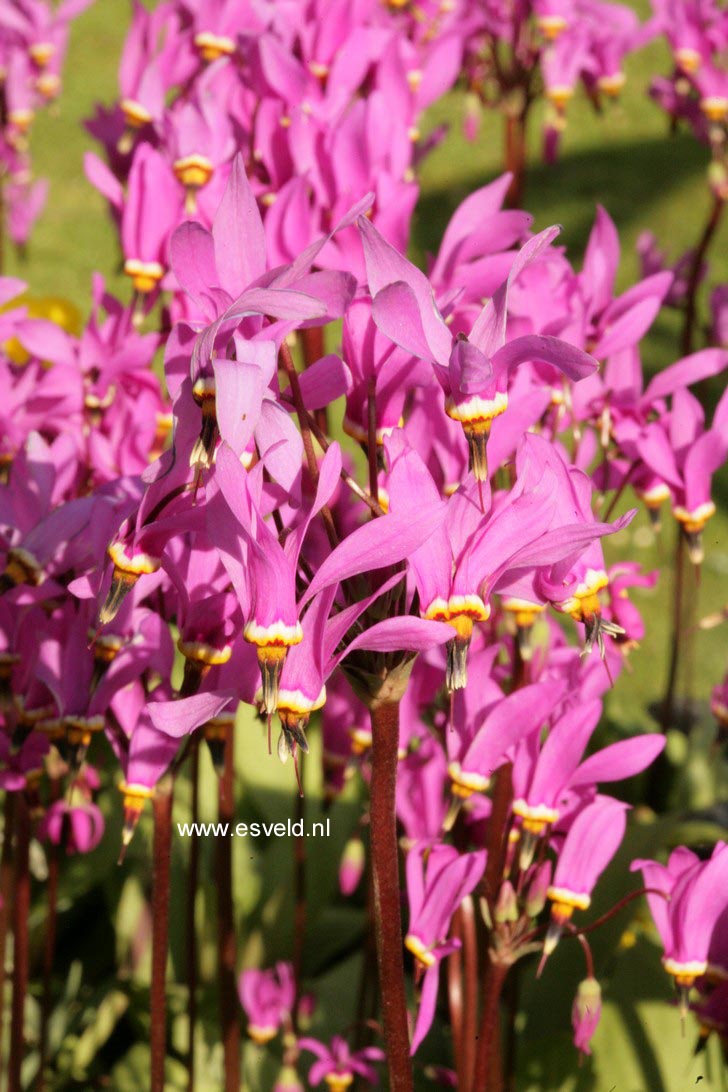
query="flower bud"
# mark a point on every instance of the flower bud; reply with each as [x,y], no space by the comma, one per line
[585,1013]
[539,885]
[287,1080]
[506,908]
[351,867]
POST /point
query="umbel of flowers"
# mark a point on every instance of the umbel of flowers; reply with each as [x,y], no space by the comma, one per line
[449,608]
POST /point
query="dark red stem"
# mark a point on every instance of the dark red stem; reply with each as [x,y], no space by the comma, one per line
[620,906]
[387,908]
[193,873]
[668,705]
[162,849]
[488,1076]
[470,959]
[691,296]
[299,874]
[497,831]
[49,945]
[6,893]
[21,911]
[372,440]
[515,157]
[226,948]
[455,997]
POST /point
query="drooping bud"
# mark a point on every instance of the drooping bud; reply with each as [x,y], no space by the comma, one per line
[203,452]
[461,612]
[585,1013]
[351,867]
[134,798]
[129,565]
[216,732]
[145,276]
[194,172]
[272,643]
[79,731]
[213,46]
[20,568]
[287,1080]
[523,615]
[692,525]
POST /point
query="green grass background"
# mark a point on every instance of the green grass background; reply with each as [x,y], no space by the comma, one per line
[646,179]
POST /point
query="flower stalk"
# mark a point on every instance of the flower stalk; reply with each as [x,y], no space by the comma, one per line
[226,947]
[161,867]
[21,939]
[6,889]
[385,876]
[690,321]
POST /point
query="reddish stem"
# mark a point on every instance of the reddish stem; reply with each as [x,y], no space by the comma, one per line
[668,706]
[49,947]
[691,296]
[6,892]
[470,959]
[226,949]
[162,847]
[299,873]
[488,1077]
[21,911]
[193,873]
[312,340]
[455,997]
[497,831]
[387,908]
[515,157]
[313,343]
[372,439]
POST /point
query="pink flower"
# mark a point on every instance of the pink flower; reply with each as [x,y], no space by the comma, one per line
[337,1065]
[268,998]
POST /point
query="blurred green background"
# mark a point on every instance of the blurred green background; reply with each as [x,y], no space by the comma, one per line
[648,180]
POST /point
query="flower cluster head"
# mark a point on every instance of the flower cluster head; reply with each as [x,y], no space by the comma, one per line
[168,554]
[33,43]
[562,43]
[696,92]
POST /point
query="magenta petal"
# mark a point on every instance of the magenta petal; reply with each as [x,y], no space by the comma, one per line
[179,718]
[396,312]
[590,844]
[573,362]
[489,328]
[239,391]
[279,443]
[408,634]
[102,179]
[386,266]
[561,752]
[470,370]
[379,543]
[516,716]
[563,545]
[428,1001]
[601,259]
[706,455]
[192,257]
[324,382]
[691,369]
[240,248]
[620,760]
